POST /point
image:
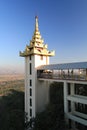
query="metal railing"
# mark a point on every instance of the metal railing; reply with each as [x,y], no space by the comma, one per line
[62,76]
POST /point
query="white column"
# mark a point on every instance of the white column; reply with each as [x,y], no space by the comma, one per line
[33,77]
[33,94]
[72,92]
[65,100]
[26,86]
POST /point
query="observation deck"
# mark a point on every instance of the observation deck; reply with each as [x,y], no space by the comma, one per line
[72,73]
[67,71]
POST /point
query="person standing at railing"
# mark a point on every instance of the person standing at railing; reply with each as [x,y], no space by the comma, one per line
[68,73]
[72,73]
[86,74]
[64,74]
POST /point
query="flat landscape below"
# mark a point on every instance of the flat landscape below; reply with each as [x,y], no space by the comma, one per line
[11,82]
[12,102]
[11,77]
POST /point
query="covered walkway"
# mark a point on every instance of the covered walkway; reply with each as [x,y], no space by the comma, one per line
[70,74]
[66,71]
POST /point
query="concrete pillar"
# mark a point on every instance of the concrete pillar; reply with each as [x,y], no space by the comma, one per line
[66,101]
[72,92]
[27,86]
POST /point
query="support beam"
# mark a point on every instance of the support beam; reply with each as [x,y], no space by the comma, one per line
[79,114]
[72,92]
[66,101]
[77,119]
[78,98]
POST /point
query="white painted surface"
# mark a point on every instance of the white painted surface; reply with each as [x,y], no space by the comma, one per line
[77,98]
[77,119]
[72,98]
[40,91]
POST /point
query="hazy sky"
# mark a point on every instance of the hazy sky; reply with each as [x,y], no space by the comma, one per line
[62,23]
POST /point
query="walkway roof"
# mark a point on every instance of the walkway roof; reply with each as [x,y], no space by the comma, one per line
[64,66]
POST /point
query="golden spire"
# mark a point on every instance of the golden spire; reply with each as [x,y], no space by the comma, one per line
[37,45]
[36,23]
[36,39]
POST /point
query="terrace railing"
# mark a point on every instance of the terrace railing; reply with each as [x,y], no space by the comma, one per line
[62,76]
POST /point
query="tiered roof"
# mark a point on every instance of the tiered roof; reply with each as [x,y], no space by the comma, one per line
[37,45]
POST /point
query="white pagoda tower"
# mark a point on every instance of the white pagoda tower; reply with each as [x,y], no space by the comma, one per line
[36,92]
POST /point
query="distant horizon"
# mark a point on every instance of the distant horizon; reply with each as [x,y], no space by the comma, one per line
[11,70]
[16,70]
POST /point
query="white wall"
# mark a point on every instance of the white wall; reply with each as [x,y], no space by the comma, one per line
[42,87]
[40,90]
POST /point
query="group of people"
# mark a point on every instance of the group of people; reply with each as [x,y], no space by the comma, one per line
[69,73]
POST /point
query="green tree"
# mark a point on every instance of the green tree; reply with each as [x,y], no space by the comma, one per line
[12,111]
[53,117]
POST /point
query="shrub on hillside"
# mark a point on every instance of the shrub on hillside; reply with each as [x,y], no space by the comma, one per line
[53,117]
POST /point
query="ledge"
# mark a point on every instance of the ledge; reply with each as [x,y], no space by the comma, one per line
[77,98]
[77,119]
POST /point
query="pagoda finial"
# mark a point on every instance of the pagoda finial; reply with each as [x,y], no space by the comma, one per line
[37,45]
[36,23]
